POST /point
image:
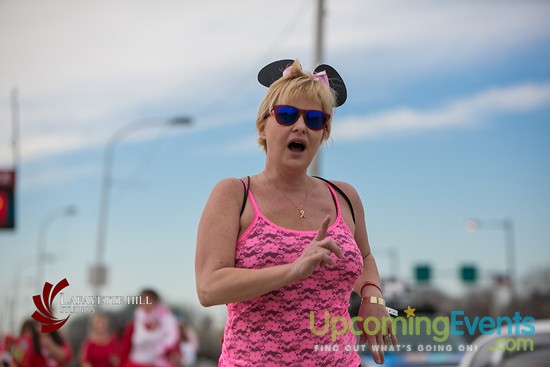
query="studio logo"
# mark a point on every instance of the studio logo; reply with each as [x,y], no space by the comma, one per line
[44,314]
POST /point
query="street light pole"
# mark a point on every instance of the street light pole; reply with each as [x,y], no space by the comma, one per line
[507,225]
[393,254]
[98,274]
[393,260]
[42,237]
[14,301]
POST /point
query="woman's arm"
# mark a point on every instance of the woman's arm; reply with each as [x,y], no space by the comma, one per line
[369,275]
[218,281]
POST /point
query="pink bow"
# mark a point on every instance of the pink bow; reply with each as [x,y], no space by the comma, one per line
[320,76]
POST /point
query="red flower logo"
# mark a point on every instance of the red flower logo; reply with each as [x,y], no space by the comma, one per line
[43,304]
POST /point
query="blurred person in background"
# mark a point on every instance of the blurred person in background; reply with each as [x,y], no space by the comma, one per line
[279,244]
[151,338]
[9,342]
[37,349]
[188,345]
[101,348]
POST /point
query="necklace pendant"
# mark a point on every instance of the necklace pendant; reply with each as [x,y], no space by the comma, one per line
[302,213]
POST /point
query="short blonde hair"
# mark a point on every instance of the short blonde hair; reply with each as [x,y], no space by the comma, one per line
[295,84]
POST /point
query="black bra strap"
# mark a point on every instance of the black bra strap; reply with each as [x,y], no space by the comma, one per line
[339,190]
[245,188]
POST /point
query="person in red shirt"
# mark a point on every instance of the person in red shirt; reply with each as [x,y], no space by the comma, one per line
[6,350]
[101,348]
[37,349]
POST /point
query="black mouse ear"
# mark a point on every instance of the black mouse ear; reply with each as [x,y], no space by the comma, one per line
[336,83]
[272,72]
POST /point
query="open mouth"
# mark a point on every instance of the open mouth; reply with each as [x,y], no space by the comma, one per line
[296,146]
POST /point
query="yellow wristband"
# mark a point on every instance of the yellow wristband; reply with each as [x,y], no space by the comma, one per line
[373,299]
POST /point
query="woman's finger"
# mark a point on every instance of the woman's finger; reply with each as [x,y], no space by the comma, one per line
[381,346]
[321,234]
[330,245]
[394,340]
[374,348]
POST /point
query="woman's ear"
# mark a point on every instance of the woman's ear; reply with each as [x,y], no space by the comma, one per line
[261,130]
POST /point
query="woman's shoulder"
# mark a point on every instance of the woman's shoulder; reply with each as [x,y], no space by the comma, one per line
[347,189]
[230,184]
[228,191]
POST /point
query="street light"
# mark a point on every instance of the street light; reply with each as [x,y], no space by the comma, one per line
[46,223]
[98,273]
[507,225]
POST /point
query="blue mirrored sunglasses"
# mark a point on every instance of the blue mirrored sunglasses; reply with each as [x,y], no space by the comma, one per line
[288,115]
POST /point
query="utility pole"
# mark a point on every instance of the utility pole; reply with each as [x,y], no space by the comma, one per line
[15,127]
[318,57]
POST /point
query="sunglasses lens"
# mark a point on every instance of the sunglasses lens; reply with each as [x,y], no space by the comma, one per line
[316,120]
[286,115]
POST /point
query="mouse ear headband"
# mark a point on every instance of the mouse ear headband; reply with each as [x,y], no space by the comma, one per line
[323,73]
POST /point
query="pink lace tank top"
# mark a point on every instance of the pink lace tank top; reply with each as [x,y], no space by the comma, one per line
[274,329]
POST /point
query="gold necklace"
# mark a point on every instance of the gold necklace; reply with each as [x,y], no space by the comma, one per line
[301,211]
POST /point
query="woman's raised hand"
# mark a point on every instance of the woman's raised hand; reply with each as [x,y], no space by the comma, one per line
[317,254]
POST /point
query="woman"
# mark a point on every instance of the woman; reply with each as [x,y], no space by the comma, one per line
[188,345]
[101,348]
[289,248]
[151,338]
[37,349]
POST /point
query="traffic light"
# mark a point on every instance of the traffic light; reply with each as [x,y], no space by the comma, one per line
[7,200]
[423,273]
[468,273]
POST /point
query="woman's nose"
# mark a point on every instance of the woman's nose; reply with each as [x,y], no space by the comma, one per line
[300,125]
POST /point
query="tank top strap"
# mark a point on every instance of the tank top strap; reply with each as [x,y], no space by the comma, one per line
[335,199]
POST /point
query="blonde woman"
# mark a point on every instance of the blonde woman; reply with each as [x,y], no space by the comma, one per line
[281,244]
